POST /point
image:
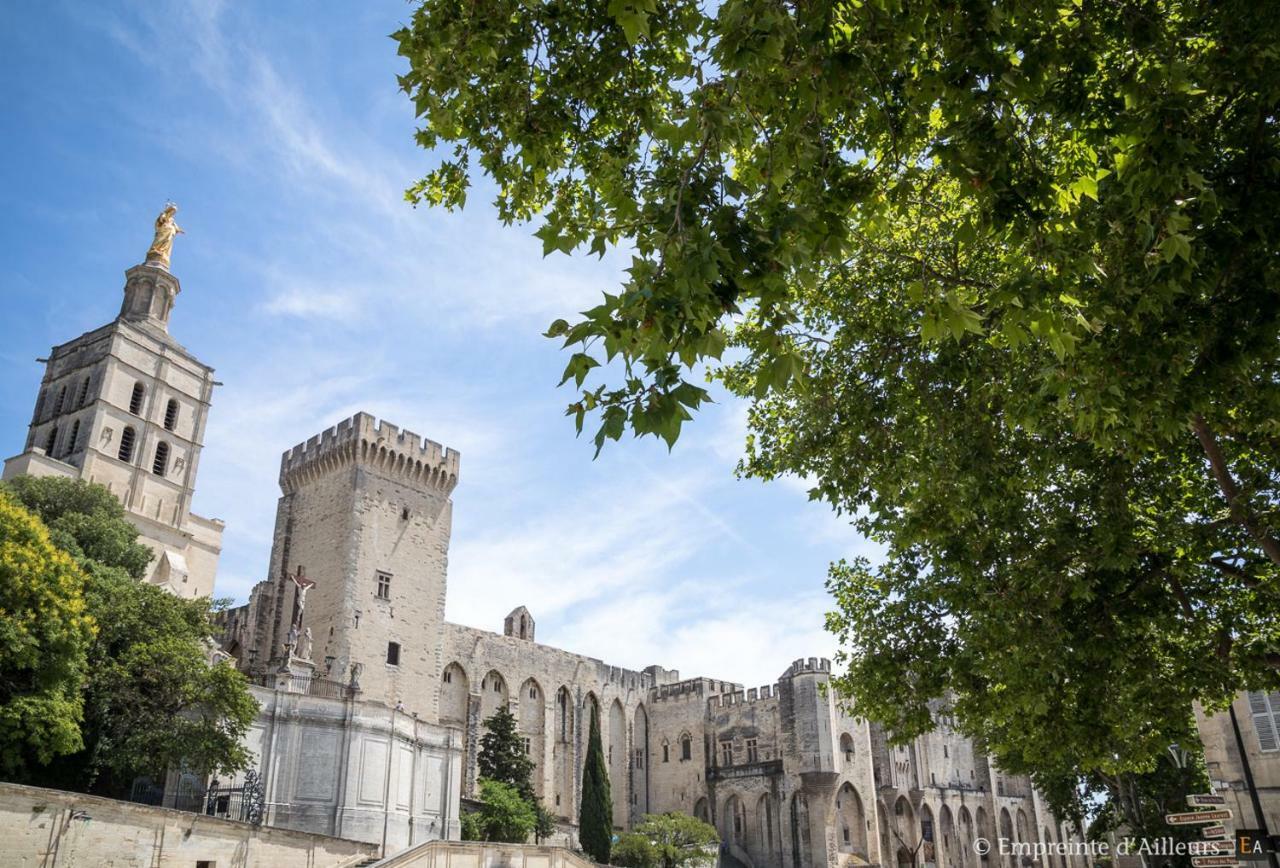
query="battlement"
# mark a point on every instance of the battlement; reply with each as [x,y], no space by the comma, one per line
[693,688]
[740,697]
[811,666]
[367,440]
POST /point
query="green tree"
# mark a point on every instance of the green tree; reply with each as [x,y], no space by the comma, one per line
[671,840]
[45,633]
[502,755]
[504,815]
[152,700]
[634,850]
[595,813]
[1002,280]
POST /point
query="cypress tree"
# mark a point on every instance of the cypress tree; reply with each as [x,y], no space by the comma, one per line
[595,814]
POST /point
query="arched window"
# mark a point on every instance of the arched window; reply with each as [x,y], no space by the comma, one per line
[171,415]
[51,440]
[666,752]
[161,464]
[44,396]
[71,441]
[62,396]
[846,747]
[686,747]
[126,444]
[135,401]
[84,392]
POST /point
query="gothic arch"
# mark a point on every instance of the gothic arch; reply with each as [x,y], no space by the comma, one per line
[493,694]
[947,843]
[640,767]
[851,822]
[768,833]
[563,754]
[927,854]
[904,824]
[454,695]
[616,752]
[1006,832]
[733,822]
[964,838]
[701,810]
[533,727]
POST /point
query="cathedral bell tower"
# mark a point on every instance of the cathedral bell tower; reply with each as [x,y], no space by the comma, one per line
[125,406]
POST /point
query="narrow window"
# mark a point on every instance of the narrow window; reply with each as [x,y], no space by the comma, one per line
[161,464]
[393,653]
[84,392]
[448,677]
[751,750]
[384,585]
[135,401]
[533,693]
[666,752]
[126,444]
[640,758]
[51,440]
[686,747]
[726,753]
[57,406]
[70,446]
[171,415]
[40,399]
[945,753]
[528,745]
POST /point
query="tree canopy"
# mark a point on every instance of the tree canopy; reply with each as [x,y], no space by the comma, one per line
[45,632]
[504,815]
[671,840]
[152,701]
[1000,279]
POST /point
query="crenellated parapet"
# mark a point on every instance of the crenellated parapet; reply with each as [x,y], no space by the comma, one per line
[381,446]
[692,689]
[766,693]
[810,666]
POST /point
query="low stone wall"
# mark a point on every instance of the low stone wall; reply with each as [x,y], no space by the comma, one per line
[483,854]
[42,828]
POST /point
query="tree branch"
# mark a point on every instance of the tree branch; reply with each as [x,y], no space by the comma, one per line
[1239,509]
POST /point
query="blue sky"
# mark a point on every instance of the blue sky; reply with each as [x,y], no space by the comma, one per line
[315,291]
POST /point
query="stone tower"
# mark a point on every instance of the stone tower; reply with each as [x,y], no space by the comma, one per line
[366,515]
[125,405]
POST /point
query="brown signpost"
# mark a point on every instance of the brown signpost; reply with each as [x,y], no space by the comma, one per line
[1214,861]
[1206,800]
[1192,818]
[1215,831]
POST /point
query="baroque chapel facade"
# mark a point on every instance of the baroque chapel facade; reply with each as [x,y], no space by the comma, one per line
[372,704]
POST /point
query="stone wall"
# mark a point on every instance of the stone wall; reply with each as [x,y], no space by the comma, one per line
[56,829]
[355,769]
[1225,764]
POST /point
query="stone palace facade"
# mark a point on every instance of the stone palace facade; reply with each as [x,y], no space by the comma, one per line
[373,704]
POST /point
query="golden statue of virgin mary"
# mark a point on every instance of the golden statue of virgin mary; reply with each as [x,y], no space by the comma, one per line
[166,231]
